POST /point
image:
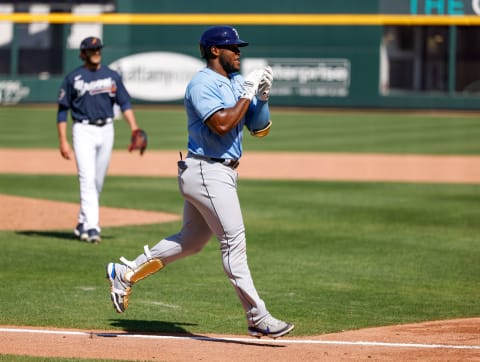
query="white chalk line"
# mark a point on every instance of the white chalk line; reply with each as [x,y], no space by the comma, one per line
[239,339]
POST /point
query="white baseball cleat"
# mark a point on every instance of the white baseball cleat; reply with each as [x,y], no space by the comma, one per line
[119,288]
[270,327]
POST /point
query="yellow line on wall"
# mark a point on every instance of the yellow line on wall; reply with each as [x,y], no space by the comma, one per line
[244,19]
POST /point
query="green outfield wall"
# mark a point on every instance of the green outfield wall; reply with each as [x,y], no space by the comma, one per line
[319,58]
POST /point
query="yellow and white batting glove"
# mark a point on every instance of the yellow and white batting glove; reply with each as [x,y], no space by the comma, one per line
[250,84]
[265,84]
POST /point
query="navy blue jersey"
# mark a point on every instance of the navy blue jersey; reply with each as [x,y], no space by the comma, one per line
[91,94]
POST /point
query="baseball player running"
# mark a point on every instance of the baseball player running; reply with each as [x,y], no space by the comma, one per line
[219,102]
[90,92]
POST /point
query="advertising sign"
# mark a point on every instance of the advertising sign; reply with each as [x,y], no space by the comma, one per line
[430,7]
[305,77]
[157,76]
[12,92]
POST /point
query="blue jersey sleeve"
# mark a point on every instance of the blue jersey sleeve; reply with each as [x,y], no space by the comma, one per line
[205,100]
[62,113]
[64,95]
[122,97]
[258,115]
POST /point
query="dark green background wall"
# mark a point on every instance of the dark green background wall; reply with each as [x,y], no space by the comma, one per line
[359,44]
[250,6]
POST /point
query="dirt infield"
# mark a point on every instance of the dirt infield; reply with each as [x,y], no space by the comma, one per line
[279,165]
[453,340]
[22,213]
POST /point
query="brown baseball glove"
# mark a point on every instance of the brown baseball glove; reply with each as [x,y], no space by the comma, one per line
[138,141]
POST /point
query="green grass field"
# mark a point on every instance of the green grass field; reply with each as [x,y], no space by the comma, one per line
[328,256]
[292,131]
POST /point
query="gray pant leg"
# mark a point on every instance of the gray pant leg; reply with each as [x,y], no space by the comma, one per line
[194,235]
[212,189]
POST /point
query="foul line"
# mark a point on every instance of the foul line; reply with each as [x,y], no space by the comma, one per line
[251,340]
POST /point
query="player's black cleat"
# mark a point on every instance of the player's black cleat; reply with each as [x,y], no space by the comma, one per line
[80,232]
[93,236]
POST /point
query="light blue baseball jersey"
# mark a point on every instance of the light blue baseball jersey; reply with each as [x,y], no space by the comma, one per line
[207,93]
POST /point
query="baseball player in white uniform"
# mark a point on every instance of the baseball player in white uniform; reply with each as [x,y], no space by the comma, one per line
[219,103]
[90,92]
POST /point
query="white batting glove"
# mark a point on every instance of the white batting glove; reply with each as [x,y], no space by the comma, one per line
[265,84]
[250,84]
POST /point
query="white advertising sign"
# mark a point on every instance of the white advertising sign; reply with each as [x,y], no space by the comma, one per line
[305,77]
[157,76]
[12,92]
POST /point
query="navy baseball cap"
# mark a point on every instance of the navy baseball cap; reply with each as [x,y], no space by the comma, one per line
[91,43]
[221,35]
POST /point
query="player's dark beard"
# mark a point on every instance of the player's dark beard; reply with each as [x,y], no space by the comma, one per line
[228,67]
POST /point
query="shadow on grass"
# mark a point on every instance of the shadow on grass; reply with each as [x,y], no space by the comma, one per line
[55,234]
[161,328]
[142,326]
[48,234]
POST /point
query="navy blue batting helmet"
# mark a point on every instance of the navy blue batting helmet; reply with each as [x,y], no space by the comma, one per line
[221,35]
